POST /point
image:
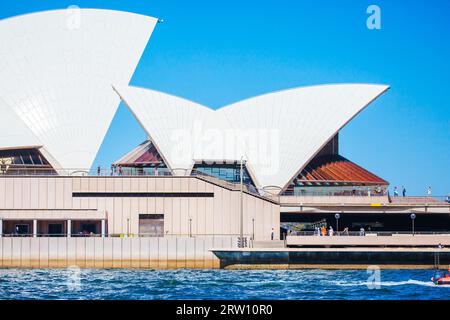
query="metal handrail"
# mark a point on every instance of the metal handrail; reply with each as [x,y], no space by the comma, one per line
[111,172]
[369,233]
[121,235]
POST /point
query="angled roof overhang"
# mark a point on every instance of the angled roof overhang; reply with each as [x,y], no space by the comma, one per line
[294,125]
[277,133]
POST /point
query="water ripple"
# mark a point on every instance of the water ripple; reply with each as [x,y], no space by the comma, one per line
[110,284]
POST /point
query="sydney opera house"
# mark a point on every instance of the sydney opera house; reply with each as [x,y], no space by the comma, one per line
[265,167]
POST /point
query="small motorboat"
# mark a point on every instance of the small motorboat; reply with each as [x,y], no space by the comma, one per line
[445,280]
[440,278]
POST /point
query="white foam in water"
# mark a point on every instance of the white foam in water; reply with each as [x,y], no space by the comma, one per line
[389,283]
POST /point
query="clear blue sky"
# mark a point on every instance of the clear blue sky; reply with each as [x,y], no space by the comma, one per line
[218,52]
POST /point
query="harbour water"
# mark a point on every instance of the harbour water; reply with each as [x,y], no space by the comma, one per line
[150,284]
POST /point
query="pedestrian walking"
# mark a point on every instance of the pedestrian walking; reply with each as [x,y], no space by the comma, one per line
[362,232]
[395,192]
[345,231]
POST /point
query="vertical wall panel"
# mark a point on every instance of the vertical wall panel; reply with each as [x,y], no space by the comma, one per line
[43,193]
[80,252]
[181,252]
[135,254]
[89,252]
[190,252]
[62,251]
[144,247]
[43,252]
[7,251]
[117,252]
[168,213]
[150,183]
[126,252]
[26,193]
[162,254]
[134,213]
[2,193]
[53,252]
[34,252]
[108,252]
[218,213]
[71,252]
[120,226]
[60,193]
[143,184]
[99,250]
[126,216]
[25,253]
[17,185]
[184,217]
[16,254]
[209,256]
[176,217]
[67,193]
[199,253]
[171,252]
[154,252]
[51,193]
[9,193]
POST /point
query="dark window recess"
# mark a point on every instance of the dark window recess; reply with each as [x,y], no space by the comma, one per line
[88,228]
[151,225]
[151,216]
[55,228]
[143,194]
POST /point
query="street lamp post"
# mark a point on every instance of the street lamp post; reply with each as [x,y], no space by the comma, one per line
[253,229]
[337,216]
[190,227]
[241,207]
[413,217]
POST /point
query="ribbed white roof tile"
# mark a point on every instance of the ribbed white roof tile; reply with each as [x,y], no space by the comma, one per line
[57,69]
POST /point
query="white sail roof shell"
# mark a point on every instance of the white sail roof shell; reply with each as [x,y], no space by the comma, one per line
[182,131]
[295,124]
[13,132]
[277,133]
[57,70]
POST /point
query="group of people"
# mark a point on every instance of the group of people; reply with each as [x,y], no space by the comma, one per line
[116,170]
[396,193]
[377,191]
[322,231]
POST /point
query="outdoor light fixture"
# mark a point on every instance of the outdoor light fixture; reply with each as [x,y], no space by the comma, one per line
[337,216]
[413,217]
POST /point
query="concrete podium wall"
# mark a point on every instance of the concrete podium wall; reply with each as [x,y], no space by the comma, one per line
[89,252]
[41,196]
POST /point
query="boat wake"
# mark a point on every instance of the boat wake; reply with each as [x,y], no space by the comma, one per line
[388,283]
